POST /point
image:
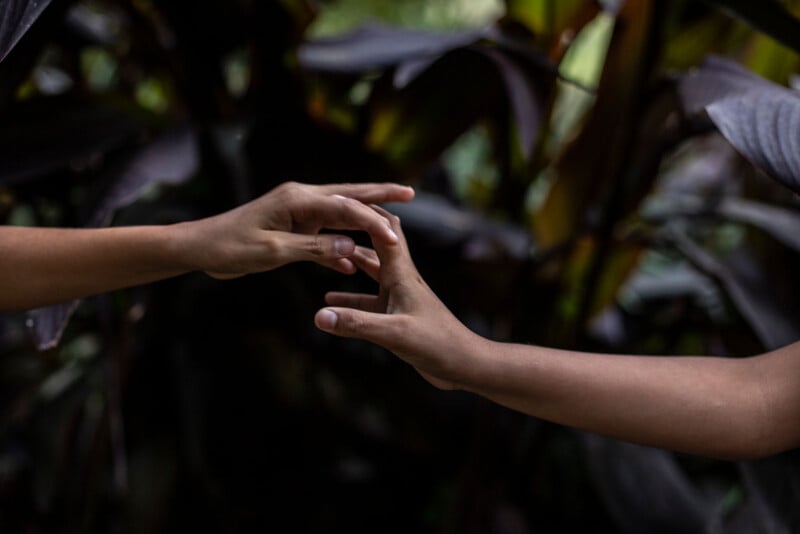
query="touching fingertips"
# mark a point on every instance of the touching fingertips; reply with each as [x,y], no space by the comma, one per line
[326,319]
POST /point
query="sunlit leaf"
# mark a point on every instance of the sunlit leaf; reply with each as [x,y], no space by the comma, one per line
[553,19]
[596,156]
[16,18]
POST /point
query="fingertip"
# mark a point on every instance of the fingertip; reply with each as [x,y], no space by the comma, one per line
[326,319]
[345,266]
[410,194]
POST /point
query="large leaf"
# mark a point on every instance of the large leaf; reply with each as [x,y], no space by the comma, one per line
[43,135]
[373,47]
[447,225]
[16,17]
[645,489]
[172,159]
[768,16]
[749,291]
[526,74]
[781,223]
[759,118]
[525,97]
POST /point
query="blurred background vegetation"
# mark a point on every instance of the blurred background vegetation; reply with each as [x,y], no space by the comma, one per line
[576,188]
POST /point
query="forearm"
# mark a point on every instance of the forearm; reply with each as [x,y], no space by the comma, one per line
[708,406]
[40,266]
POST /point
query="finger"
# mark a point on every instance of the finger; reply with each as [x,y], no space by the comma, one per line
[367,260]
[358,301]
[371,193]
[321,248]
[342,213]
[376,327]
[395,258]
[342,265]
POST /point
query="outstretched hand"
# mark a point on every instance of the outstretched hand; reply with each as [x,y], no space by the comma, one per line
[405,316]
[283,227]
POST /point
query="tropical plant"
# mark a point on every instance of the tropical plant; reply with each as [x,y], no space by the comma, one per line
[616,175]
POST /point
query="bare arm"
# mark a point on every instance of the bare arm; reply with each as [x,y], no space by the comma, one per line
[40,266]
[703,405]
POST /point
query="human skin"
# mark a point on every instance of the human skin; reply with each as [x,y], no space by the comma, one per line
[40,266]
[717,407]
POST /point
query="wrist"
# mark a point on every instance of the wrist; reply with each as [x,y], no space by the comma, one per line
[475,361]
[178,244]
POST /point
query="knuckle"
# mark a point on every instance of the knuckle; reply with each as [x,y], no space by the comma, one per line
[289,190]
[317,246]
[290,185]
[352,323]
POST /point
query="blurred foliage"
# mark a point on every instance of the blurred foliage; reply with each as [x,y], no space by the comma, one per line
[587,179]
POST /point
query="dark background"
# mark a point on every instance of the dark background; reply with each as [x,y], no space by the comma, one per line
[571,193]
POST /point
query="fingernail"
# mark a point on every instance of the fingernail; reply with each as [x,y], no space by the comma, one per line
[340,197]
[392,235]
[327,319]
[343,246]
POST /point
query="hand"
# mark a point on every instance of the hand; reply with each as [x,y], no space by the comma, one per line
[282,227]
[405,317]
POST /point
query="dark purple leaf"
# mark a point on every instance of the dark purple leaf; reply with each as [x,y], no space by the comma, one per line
[408,71]
[758,513]
[780,223]
[48,323]
[16,17]
[714,80]
[759,118]
[645,489]
[40,136]
[374,46]
[749,291]
[764,126]
[523,94]
[447,225]
[172,159]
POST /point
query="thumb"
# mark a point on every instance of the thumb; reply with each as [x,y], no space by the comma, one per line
[346,322]
[315,247]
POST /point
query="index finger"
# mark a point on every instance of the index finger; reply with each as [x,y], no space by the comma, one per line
[343,213]
[395,258]
[371,193]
